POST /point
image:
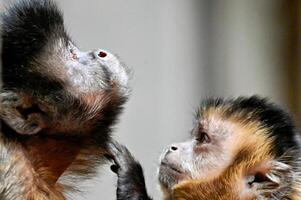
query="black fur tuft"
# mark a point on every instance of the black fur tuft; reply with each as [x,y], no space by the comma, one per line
[27,27]
[271,116]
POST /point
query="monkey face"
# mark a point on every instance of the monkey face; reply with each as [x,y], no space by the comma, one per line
[90,72]
[205,155]
[90,81]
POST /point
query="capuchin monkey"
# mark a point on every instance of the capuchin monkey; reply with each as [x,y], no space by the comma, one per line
[239,149]
[58,104]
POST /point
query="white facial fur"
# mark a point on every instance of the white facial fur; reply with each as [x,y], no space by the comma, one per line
[197,160]
[83,72]
[88,70]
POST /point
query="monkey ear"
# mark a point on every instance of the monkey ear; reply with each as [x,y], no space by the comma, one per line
[19,114]
[270,179]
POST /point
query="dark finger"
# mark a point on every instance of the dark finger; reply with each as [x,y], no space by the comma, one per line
[114,168]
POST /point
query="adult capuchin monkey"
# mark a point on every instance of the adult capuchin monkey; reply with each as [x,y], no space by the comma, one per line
[240,149]
[58,104]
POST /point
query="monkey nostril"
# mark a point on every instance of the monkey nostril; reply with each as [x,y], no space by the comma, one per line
[102,54]
[173,148]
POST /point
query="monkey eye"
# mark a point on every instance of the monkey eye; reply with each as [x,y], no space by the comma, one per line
[203,137]
[257,178]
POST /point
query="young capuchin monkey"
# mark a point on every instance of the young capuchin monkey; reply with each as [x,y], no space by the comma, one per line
[240,149]
[58,104]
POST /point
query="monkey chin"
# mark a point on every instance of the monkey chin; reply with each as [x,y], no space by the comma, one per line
[170,175]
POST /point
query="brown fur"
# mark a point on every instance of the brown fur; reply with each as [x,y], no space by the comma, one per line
[37,164]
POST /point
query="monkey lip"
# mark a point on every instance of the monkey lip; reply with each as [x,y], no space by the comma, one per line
[169,166]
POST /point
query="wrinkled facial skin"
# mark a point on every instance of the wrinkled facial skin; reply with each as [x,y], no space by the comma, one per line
[93,71]
[91,80]
[94,79]
[204,156]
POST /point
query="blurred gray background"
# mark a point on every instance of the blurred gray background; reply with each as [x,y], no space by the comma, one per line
[182,51]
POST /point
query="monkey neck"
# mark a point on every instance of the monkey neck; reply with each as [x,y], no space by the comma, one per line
[201,190]
[50,157]
[47,156]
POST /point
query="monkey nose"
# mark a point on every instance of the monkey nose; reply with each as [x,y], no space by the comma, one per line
[102,54]
[173,148]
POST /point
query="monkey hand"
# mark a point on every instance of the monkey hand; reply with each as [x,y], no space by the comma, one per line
[121,156]
[130,184]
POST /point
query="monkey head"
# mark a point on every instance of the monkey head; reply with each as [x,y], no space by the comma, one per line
[49,85]
[244,148]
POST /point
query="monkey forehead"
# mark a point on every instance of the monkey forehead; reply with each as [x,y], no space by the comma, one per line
[239,132]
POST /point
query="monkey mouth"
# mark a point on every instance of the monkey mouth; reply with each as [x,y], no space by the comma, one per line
[170,175]
[171,167]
